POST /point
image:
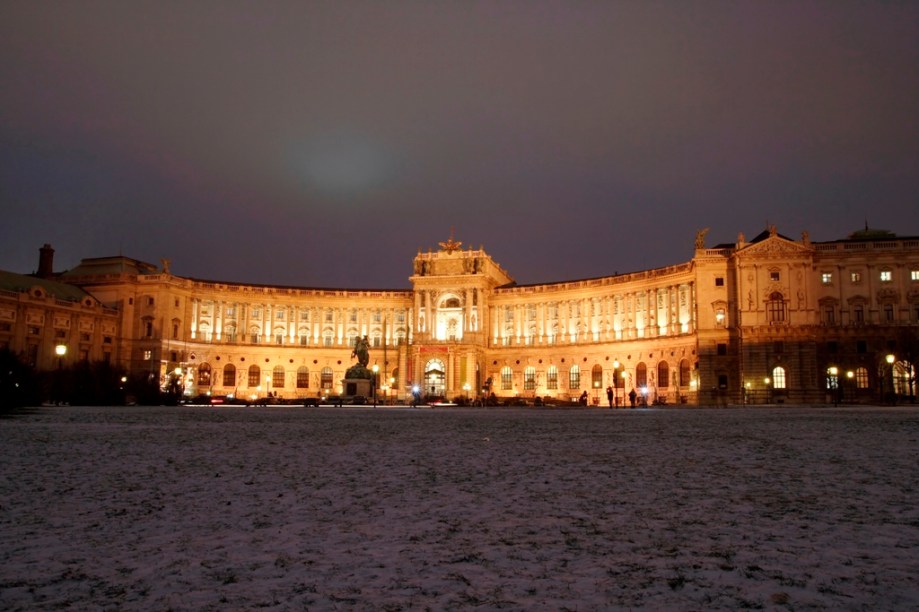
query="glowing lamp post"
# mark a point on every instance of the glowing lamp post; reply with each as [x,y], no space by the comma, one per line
[834,384]
[373,383]
[60,350]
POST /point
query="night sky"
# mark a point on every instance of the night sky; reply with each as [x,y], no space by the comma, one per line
[324,143]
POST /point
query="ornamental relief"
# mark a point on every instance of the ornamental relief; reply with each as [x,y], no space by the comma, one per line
[35,318]
[7,314]
[888,295]
[773,248]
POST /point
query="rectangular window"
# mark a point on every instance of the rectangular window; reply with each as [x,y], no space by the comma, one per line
[279,315]
[304,340]
[253,377]
[84,337]
[149,301]
[886,276]
[888,313]
[148,355]
[722,348]
[529,379]
[279,339]
[856,277]
[914,275]
[552,379]
[229,376]
[230,311]
[774,276]
[829,315]
[858,314]
[255,313]
[6,327]
[507,379]
[34,331]
[826,278]
[719,281]
[176,302]
[303,379]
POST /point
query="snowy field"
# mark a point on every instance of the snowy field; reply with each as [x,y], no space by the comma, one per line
[399,509]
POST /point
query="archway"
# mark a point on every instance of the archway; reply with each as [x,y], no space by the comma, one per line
[435,376]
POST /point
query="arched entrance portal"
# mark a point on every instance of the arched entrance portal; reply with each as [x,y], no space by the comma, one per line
[434,378]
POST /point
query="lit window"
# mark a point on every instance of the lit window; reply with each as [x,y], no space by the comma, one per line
[303,377]
[914,275]
[719,317]
[326,378]
[886,276]
[507,378]
[774,276]
[574,378]
[778,377]
[826,278]
[552,377]
[148,355]
[529,378]
[856,277]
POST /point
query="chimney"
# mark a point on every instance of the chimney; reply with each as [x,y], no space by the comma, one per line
[46,262]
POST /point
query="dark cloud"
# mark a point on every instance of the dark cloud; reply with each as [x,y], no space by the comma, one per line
[324,143]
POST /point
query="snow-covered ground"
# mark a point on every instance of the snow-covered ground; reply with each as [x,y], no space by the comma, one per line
[400,509]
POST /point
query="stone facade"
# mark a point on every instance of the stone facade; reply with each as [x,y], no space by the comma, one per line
[760,321]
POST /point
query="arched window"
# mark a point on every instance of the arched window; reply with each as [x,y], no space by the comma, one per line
[574,377]
[778,377]
[254,374]
[552,377]
[507,378]
[529,378]
[663,374]
[229,375]
[204,375]
[641,375]
[775,309]
[277,377]
[303,377]
[326,378]
[685,373]
[596,376]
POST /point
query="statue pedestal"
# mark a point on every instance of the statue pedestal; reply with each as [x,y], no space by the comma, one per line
[358,386]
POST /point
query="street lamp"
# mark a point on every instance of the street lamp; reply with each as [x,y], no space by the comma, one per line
[834,384]
[890,359]
[60,350]
[373,383]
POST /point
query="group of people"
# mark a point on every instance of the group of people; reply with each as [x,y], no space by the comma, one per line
[610,396]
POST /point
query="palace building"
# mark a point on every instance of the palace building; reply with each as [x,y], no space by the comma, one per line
[769,320]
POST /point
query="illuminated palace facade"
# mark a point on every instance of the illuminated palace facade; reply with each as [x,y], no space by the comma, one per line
[771,320]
